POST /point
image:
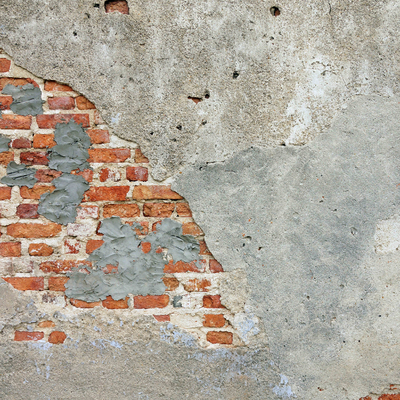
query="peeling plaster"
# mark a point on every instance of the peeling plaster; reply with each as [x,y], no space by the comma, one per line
[27,99]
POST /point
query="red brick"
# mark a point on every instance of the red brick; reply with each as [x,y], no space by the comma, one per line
[57,283]
[34,158]
[32,230]
[108,155]
[61,103]
[191,228]
[152,192]
[86,174]
[137,174]
[35,192]
[40,249]
[6,157]
[109,302]
[53,86]
[214,320]
[92,245]
[43,141]
[180,266]
[197,285]
[108,174]
[21,143]
[121,210]
[10,249]
[49,121]
[170,283]
[71,246]
[151,301]
[47,175]
[5,102]
[98,136]
[120,6]
[84,104]
[83,304]
[212,301]
[46,324]
[144,228]
[61,266]
[162,318]
[140,158]
[57,337]
[85,211]
[160,210]
[220,337]
[103,193]
[20,336]
[28,283]
[5,193]
[16,82]
[5,65]
[8,121]
[389,397]
[146,247]
[215,266]
[183,210]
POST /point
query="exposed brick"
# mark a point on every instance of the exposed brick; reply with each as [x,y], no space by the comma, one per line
[109,302]
[71,246]
[212,301]
[92,245]
[144,230]
[57,337]
[6,157]
[35,192]
[151,301]
[5,193]
[61,103]
[86,211]
[152,192]
[183,210]
[47,175]
[86,174]
[5,102]
[43,141]
[49,121]
[4,65]
[34,158]
[61,266]
[197,285]
[140,158]
[57,283]
[84,104]
[137,174]
[170,283]
[103,193]
[8,121]
[180,266]
[117,5]
[191,228]
[32,230]
[26,283]
[220,337]
[108,155]
[10,249]
[162,318]
[215,266]
[98,136]
[108,174]
[146,247]
[46,324]
[20,336]
[74,229]
[214,320]
[40,249]
[83,304]
[121,210]
[16,82]
[53,86]
[160,210]
[21,143]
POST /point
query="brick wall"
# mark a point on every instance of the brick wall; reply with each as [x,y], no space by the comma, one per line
[36,254]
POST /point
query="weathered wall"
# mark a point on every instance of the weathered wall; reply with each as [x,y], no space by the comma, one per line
[218,93]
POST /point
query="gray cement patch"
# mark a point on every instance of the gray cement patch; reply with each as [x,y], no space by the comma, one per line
[19,175]
[27,99]
[4,141]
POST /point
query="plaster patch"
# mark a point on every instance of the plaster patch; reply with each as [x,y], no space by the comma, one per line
[19,175]
[283,390]
[247,325]
[387,235]
[4,141]
[27,99]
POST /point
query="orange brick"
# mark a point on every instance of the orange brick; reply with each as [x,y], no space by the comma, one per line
[5,102]
[121,210]
[152,192]
[140,158]
[83,304]
[6,157]
[32,230]
[108,174]
[215,266]
[144,228]
[120,6]
[61,103]
[5,65]
[20,336]
[220,337]
[197,285]
[98,136]
[43,141]
[84,104]
[21,143]
[8,121]
[47,175]
[86,174]
[35,192]
[212,301]
[146,247]
[92,245]
[34,158]
[53,86]
[57,337]
[103,193]
[46,324]
[389,397]
[10,249]
[109,302]
[191,228]
[180,267]
[160,210]
[5,193]
[61,266]
[170,283]
[162,318]
[57,283]
[16,82]
[71,246]
[108,155]
[28,283]
[40,249]
[151,301]
[49,121]
[183,210]
[28,211]
[214,320]
[137,174]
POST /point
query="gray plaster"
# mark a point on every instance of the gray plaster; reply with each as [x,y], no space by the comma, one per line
[61,204]
[27,99]
[4,141]
[19,175]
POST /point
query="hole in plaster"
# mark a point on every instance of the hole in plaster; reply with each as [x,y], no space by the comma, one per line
[96,5]
[195,99]
[283,144]
[75,33]
[120,6]
[203,122]
[179,127]
[151,133]
[207,95]
[235,74]
[275,11]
